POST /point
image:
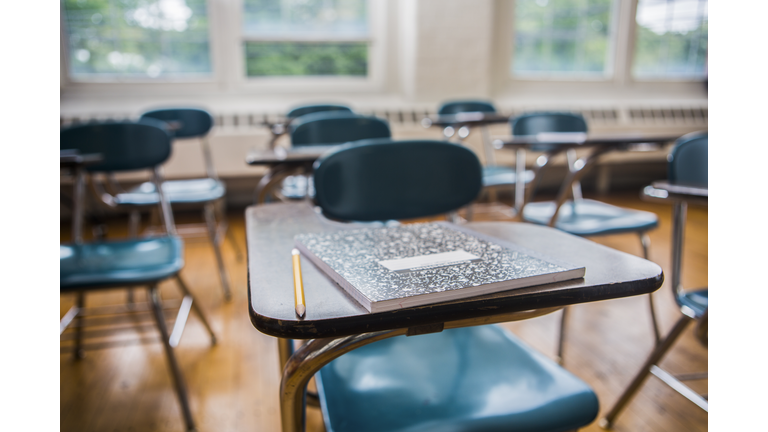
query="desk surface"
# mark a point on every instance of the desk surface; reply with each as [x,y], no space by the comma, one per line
[464,119]
[294,155]
[332,313]
[583,140]
[665,191]
[71,158]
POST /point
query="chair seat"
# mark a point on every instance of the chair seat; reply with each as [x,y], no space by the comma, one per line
[119,263]
[696,300]
[177,192]
[467,379]
[501,176]
[590,217]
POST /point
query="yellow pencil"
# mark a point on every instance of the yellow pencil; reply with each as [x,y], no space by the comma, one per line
[298,285]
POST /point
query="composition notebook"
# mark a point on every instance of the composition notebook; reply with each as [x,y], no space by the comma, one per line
[417,264]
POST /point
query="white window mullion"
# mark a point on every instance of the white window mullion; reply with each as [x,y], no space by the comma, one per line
[623,48]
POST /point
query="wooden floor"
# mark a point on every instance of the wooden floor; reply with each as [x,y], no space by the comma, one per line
[233,386]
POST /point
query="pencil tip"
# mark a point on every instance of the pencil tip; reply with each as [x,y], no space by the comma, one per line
[300,309]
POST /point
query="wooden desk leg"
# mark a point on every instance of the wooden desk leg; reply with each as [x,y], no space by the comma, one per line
[303,365]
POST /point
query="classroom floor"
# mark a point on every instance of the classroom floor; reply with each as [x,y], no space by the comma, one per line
[233,386]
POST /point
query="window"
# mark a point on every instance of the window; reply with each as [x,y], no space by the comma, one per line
[306,37]
[562,37]
[137,38]
[671,39]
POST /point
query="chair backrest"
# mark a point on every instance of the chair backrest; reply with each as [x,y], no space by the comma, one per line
[688,162]
[534,123]
[455,107]
[310,109]
[124,146]
[184,122]
[325,128]
[376,180]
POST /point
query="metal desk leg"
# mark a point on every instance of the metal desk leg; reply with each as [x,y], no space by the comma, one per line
[679,213]
[661,349]
[303,365]
[77,212]
[519,179]
[275,175]
[574,176]
[176,375]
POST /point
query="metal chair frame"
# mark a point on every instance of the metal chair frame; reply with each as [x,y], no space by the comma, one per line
[676,382]
[216,226]
[490,160]
[571,188]
[279,174]
[78,313]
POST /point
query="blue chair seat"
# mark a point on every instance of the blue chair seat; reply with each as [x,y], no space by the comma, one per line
[590,217]
[119,263]
[176,191]
[696,300]
[471,379]
[501,175]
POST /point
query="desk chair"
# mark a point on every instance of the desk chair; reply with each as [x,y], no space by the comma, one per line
[476,378]
[293,186]
[578,216]
[324,129]
[86,267]
[183,123]
[494,175]
[301,110]
[280,129]
[687,167]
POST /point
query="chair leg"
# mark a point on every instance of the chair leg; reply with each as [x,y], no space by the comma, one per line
[645,241]
[211,222]
[134,220]
[561,341]
[469,212]
[656,355]
[79,353]
[221,214]
[196,308]
[176,375]
[233,241]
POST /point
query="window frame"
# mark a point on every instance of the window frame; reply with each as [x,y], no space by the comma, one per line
[373,81]
[607,74]
[622,45]
[653,79]
[116,79]
[228,72]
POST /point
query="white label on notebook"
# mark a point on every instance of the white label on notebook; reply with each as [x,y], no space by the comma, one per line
[433,260]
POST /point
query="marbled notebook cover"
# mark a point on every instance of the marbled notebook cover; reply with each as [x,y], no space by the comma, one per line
[352,258]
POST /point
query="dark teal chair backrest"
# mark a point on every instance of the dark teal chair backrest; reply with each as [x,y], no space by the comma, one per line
[125,146]
[455,107]
[310,109]
[191,122]
[377,180]
[324,128]
[534,123]
[688,162]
